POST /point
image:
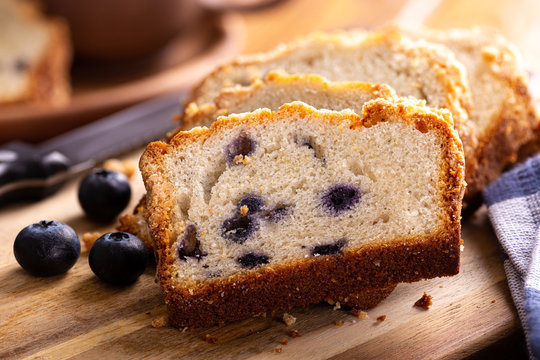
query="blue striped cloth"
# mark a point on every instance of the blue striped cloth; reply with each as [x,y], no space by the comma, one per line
[514,210]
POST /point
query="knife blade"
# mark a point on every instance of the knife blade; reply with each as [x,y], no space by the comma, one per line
[31,172]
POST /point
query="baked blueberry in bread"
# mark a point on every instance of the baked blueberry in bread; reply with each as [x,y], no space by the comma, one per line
[269,210]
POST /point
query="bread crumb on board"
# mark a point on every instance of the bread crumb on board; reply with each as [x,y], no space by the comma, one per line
[89,238]
[424,302]
[339,323]
[126,167]
[288,319]
[284,341]
[278,350]
[210,339]
[359,314]
[160,322]
[381,318]
[294,334]
[244,210]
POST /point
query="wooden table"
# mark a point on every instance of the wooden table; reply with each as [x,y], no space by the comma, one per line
[77,316]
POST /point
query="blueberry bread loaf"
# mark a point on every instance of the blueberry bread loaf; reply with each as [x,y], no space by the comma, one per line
[274,91]
[503,115]
[412,68]
[269,210]
[35,55]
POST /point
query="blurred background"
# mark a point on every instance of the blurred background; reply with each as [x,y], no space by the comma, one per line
[126,51]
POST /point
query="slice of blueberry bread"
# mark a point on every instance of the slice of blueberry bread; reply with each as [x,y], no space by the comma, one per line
[269,210]
[503,114]
[35,54]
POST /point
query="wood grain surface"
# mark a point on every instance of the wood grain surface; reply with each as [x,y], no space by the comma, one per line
[75,316]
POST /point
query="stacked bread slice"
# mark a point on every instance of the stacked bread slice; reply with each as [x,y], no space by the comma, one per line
[267,210]
[35,54]
[453,70]
[419,69]
[503,115]
[474,73]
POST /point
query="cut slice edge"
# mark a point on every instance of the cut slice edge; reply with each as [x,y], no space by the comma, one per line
[203,305]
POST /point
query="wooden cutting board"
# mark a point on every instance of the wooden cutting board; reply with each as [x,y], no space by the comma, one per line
[77,316]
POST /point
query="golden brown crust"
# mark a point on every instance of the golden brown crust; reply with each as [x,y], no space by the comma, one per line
[366,299]
[516,125]
[312,280]
[276,288]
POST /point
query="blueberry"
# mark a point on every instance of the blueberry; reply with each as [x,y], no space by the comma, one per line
[242,145]
[190,245]
[328,249]
[21,65]
[253,203]
[251,260]
[238,228]
[310,144]
[47,248]
[118,258]
[277,213]
[341,198]
[103,194]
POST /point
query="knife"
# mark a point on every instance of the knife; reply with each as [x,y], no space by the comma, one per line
[31,172]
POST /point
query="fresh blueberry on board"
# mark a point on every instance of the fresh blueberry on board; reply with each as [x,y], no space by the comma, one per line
[104,194]
[118,258]
[47,248]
